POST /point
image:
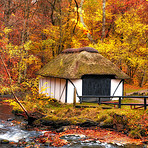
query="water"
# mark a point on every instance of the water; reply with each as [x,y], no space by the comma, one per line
[11,131]
[14,133]
[77,142]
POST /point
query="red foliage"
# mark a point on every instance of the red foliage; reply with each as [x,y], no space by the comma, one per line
[103,135]
[121,6]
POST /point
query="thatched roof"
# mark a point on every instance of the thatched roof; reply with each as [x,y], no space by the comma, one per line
[74,63]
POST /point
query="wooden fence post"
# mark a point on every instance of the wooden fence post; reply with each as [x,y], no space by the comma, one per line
[74,98]
[99,101]
[119,106]
[145,103]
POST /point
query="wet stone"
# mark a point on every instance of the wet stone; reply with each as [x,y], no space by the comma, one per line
[88,123]
[60,123]
[3,131]
[47,122]
[48,143]
[4,141]
[10,119]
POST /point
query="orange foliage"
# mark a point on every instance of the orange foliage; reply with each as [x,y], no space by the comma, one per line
[51,26]
[96,133]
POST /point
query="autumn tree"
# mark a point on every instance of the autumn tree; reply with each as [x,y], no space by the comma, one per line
[126,44]
[34,31]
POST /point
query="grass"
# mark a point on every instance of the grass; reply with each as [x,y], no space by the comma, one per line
[125,100]
[135,119]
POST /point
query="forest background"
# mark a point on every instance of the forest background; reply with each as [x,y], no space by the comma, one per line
[32,32]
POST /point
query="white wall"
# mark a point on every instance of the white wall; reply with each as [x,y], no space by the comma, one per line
[53,87]
[114,84]
[62,90]
[42,85]
[70,92]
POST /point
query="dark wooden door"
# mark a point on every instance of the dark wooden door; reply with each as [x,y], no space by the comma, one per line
[96,85]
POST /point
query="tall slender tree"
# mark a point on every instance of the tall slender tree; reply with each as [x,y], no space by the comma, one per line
[103,19]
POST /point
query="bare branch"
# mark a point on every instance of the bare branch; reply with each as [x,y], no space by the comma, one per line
[77,16]
[84,25]
[16,99]
[103,21]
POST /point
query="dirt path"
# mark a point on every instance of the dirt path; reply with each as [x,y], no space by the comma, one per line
[5,110]
[140,92]
[140,100]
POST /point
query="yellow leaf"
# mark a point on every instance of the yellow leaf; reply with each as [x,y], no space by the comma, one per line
[7,30]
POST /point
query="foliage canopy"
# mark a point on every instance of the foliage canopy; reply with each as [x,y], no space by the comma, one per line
[33,32]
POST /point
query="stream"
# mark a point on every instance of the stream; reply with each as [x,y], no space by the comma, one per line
[14,135]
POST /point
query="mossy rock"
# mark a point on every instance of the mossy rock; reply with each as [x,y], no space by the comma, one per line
[60,123]
[4,141]
[143,132]
[88,123]
[135,134]
[37,123]
[107,123]
[47,122]
[102,118]
[120,119]
[17,112]
[54,122]
[75,120]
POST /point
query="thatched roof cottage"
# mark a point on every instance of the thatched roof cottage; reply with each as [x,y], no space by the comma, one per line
[83,68]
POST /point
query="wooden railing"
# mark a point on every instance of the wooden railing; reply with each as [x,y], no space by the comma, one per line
[99,101]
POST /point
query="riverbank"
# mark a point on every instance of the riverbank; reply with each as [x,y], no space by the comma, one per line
[120,126]
[72,136]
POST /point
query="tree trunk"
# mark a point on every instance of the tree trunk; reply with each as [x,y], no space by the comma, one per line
[142,79]
[103,21]
[24,39]
[82,21]
[61,34]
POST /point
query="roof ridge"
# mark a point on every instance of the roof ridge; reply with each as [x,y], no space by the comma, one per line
[74,50]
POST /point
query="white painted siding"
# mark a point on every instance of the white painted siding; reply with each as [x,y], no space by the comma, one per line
[43,86]
[78,85]
[57,88]
[70,91]
[53,87]
[48,87]
[40,84]
[114,84]
[62,90]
